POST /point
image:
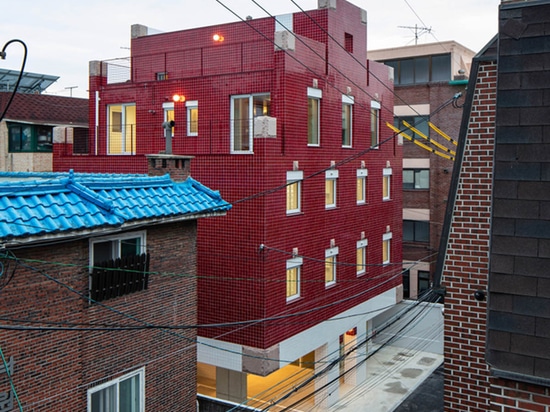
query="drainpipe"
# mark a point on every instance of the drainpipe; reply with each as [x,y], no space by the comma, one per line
[96,119]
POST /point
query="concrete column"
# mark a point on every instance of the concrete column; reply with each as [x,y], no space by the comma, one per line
[231,385]
[328,395]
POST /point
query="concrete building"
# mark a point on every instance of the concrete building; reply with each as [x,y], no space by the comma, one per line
[283,116]
[427,77]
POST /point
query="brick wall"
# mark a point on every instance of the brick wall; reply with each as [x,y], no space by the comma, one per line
[54,369]
[467,263]
[510,396]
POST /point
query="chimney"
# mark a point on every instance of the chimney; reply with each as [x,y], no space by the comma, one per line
[178,167]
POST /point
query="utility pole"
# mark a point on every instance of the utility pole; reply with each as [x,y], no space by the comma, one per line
[418,31]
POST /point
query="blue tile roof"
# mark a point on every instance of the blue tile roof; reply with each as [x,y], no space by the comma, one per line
[36,204]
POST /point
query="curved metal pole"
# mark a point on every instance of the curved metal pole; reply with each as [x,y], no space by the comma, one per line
[3,57]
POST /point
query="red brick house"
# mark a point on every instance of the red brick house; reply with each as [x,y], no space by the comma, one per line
[494,271]
[98,283]
[31,125]
[282,115]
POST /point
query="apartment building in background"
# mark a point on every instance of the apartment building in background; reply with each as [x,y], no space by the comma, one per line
[430,82]
[284,116]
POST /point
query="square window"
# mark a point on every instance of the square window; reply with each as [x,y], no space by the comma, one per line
[243,111]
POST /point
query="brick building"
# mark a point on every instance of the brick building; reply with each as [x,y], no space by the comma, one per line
[427,77]
[494,270]
[32,123]
[283,115]
[91,285]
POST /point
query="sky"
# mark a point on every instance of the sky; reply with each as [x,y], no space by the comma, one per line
[63,36]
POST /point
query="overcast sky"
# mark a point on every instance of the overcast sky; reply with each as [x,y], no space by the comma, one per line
[62,36]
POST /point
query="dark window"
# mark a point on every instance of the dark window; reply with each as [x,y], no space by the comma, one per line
[29,138]
[416,231]
[416,179]
[80,141]
[349,43]
[420,123]
[406,284]
[423,281]
[422,69]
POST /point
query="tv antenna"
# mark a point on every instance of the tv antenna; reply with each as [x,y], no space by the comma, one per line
[418,31]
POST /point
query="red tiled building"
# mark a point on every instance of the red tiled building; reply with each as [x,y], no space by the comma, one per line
[282,115]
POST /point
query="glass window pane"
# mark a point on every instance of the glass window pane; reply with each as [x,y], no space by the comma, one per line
[262,105]
[386,251]
[441,68]
[407,71]
[422,179]
[361,259]
[292,279]
[193,120]
[330,192]
[408,179]
[130,128]
[360,190]
[293,197]
[421,70]
[241,124]
[422,232]
[130,247]
[374,126]
[104,400]
[408,231]
[386,187]
[330,269]
[313,121]
[129,394]
[102,252]
[346,124]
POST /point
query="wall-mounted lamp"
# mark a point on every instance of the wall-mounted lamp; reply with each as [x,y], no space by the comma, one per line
[178,98]
[218,38]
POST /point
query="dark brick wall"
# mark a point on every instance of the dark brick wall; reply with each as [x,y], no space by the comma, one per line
[54,369]
[519,304]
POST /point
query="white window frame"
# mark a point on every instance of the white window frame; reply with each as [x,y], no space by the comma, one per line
[192,105]
[317,95]
[331,256]
[386,240]
[386,176]
[362,248]
[140,372]
[348,101]
[294,177]
[332,177]
[116,246]
[361,184]
[167,108]
[294,263]
[250,121]
[375,108]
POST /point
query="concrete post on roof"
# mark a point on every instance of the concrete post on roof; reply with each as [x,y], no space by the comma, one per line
[177,166]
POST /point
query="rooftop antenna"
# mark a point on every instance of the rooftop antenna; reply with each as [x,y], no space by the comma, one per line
[418,31]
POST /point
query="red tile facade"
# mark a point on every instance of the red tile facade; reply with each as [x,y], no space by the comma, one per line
[238,279]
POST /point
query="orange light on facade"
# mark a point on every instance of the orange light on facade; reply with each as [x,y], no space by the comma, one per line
[218,38]
[178,98]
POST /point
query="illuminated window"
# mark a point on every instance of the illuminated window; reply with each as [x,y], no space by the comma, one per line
[331,177]
[375,124]
[168,109]
[361,257]
[124,394]
[293,269]
[313,115]
[347,112]
[330,266]
[386,184]
[121,129]
[361,186]
[243,111]
[386,248]
[192,117]
[293,191]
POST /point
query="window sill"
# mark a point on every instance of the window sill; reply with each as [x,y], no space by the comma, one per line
[293,299]
[297,213]
[330,285]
